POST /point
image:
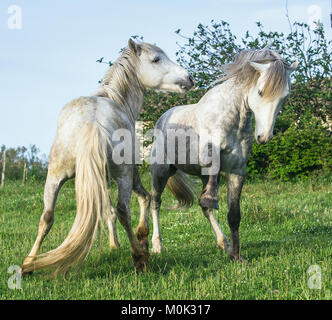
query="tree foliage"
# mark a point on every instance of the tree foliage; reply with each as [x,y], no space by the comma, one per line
[15,159]
[214,45]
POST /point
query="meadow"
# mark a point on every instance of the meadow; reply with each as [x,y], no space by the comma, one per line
[285,229]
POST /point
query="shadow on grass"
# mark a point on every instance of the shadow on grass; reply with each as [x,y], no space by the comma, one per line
[119,263]
[307,238]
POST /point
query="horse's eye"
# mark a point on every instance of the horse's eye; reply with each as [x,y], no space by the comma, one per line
[260,92]
[156,59]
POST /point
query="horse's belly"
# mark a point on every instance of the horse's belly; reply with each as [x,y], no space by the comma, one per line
[191,169]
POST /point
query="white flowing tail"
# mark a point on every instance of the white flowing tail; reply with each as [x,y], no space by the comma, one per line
[92,202]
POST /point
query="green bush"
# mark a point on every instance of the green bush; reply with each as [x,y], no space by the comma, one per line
[303,148]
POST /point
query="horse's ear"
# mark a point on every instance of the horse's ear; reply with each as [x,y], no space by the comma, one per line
[134,47]
[293,66]
[260,67]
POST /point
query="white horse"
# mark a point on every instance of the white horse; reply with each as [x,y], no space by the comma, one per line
[85,140]
[257,82]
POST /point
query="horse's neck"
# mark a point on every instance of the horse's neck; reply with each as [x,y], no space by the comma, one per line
[245,113]
[132,100]
[133,104]
[228,103]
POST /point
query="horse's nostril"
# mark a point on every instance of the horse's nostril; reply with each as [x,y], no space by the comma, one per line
[262,139]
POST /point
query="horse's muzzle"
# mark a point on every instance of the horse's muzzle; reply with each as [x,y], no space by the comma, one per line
[260,139]
[186,84]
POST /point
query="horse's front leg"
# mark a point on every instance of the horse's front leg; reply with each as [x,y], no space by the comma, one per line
[222,241]
[234,188]
[210,163]
[209,195]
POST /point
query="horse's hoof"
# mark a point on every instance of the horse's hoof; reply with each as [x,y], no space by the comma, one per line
[114,247]
[208,202]
[156,250]
[224,246]
[156,245]
[142,267]
[141,262]
[144,244]
[24,273]
[237,258]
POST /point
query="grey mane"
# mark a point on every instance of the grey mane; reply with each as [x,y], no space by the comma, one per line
[245,75]
[121,79]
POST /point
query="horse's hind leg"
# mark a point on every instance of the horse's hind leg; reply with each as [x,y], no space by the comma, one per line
[111,223]
[52,187]
[160,175]
[140,255]
[142,231]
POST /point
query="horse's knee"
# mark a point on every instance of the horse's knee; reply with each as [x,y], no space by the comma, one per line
[209,199]
[155,203]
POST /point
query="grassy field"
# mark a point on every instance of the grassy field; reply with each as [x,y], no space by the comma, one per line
[285,228]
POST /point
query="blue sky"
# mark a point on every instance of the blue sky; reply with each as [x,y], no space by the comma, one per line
[52,59]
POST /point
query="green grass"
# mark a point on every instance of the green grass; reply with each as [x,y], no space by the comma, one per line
[285,228]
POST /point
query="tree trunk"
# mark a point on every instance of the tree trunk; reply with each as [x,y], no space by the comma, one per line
[24,173]
[3,168]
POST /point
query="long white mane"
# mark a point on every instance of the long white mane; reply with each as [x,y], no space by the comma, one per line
[121,77]
[245,75]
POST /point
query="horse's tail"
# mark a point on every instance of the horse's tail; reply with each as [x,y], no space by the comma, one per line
[182,188]
[92,202]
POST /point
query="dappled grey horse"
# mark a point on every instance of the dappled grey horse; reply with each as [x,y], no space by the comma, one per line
[89,131]
[215,135]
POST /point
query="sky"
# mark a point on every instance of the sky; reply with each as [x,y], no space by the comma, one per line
[48,57]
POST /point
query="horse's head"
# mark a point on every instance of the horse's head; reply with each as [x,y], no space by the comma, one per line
[156,71]
[266,96]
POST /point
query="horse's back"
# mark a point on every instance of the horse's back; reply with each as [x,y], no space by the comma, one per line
[74,116]
[178,117]
[91,109]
